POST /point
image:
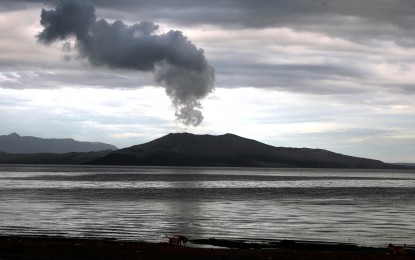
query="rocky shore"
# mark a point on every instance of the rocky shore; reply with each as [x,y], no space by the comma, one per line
[45,248]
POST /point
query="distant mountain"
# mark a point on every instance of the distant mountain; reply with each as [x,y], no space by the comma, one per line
[17,144]
[185,149]
[410,165]
[51,158]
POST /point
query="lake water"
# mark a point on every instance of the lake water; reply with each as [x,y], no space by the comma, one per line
[365,207]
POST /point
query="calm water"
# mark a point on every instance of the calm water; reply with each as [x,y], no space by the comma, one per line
[137,203]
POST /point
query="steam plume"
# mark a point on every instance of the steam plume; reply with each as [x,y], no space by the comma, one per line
[176,63]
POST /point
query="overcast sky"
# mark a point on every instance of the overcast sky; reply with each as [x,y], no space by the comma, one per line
[330,74]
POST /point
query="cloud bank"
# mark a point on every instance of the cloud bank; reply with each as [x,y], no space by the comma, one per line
[175,62]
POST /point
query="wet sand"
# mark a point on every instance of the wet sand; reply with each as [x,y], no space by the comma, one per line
[45,248]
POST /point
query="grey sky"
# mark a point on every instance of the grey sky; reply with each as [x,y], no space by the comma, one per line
[329,74]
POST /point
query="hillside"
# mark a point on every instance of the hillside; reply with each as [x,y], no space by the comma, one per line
[17,144]
[183,149]
[51,158]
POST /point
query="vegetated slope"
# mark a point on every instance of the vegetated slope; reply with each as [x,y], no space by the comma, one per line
[17,144]
[183,149]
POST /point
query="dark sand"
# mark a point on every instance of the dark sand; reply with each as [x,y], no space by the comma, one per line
[12,247]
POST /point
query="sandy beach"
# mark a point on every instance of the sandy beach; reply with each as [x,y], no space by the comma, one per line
[13,247]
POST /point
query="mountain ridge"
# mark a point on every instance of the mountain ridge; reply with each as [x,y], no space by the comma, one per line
[185,149]
[16,144]
[72,158]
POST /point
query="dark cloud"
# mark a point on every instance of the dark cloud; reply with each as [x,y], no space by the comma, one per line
[240,62]
[353,19]
[176,63]
[300,78]
[70,18]
[360,21]
[259,13]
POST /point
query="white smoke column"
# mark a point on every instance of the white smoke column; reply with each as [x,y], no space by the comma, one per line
[176,63]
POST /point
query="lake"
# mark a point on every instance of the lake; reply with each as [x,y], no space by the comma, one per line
[365,207]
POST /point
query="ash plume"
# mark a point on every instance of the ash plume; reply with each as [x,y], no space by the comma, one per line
[176,63]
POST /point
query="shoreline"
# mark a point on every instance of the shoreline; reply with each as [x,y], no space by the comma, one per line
[45,248]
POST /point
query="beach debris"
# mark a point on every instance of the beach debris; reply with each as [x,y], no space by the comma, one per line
[177,240]
[397,250]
